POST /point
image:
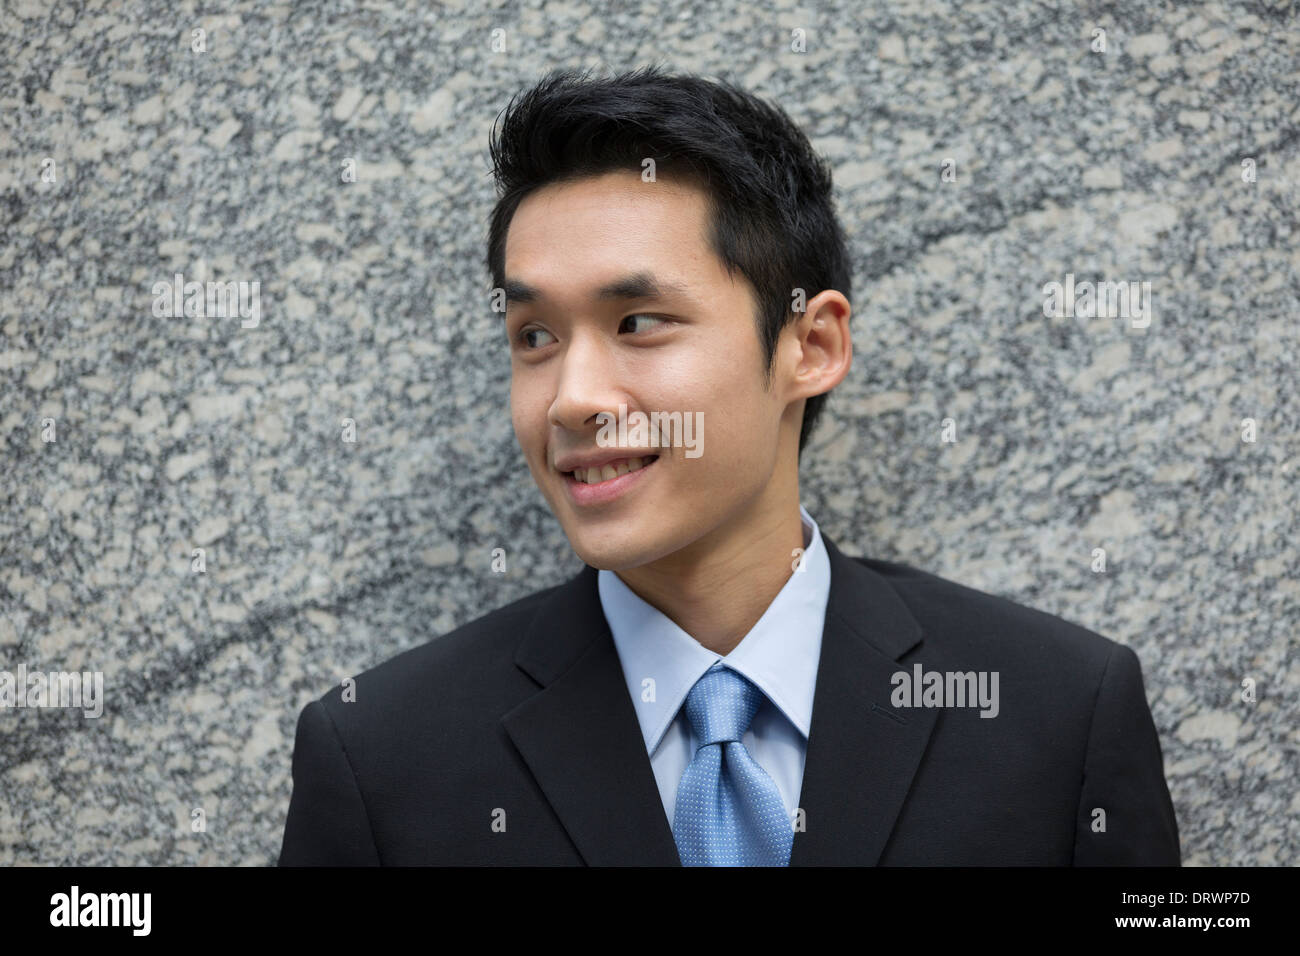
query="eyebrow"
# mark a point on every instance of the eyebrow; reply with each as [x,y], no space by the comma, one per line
[636,285]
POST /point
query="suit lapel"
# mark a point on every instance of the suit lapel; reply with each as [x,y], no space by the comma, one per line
[862,752]
[580,738]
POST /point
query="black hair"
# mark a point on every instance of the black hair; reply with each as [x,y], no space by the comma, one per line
[770,205]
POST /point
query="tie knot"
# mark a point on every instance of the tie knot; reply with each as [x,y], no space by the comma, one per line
[721,705]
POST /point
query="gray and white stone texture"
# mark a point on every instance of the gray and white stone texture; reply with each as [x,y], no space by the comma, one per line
[128,154]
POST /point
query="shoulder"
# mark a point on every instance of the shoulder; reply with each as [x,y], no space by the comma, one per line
[468,667]
[971,627]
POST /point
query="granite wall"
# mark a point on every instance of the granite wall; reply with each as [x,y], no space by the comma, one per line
[335,153]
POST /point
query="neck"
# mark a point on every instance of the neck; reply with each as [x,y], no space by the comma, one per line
[717,588]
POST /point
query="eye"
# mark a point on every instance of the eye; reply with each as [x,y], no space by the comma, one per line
[524,333]
[642,315]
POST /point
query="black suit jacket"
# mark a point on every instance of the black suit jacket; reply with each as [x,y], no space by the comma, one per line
[513,740]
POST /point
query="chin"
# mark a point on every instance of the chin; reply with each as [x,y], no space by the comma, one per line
[614,555]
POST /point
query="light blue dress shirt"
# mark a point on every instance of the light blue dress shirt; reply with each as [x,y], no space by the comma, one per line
[779,654]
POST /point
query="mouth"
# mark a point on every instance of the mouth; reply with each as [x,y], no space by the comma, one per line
[589,488]
[611,471]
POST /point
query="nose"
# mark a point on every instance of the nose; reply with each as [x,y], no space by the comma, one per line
[587,385]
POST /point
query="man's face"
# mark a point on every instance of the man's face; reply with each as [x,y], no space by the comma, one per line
[692,347]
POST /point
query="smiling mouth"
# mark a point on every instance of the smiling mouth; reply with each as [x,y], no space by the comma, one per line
[615,469]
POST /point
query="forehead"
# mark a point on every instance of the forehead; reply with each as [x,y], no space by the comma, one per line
[613,221]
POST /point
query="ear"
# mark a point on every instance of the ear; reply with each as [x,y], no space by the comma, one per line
[823,345]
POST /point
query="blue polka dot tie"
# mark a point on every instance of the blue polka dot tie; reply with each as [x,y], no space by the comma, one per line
[729,812]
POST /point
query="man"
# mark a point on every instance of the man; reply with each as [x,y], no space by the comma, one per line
[720,684]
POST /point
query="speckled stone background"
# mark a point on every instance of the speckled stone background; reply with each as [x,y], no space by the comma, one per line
[126,156]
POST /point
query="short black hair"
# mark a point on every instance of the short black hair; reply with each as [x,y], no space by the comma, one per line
[770,205]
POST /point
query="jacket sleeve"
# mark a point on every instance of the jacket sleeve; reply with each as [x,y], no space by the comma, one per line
[327,823]
[1123,775]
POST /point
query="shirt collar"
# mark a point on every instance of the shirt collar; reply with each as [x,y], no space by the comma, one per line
[661,662]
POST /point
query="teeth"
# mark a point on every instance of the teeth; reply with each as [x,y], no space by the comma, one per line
[592,476]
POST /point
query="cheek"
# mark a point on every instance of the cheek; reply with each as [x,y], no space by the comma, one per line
[526,414]
[728,395]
